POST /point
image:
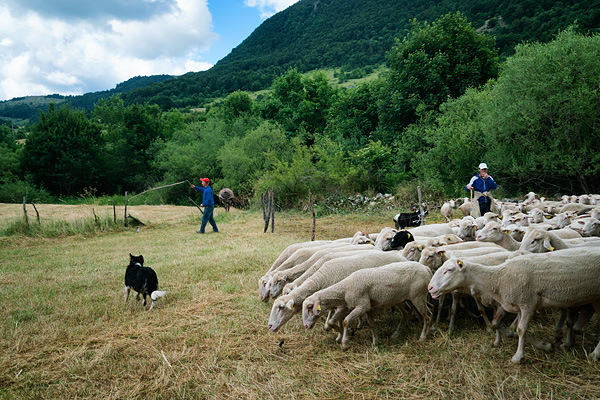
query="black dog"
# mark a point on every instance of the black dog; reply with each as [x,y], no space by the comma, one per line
[141,279]
[403,220]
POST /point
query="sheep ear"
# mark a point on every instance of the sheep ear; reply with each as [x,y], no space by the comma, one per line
[547,245]
[460,264]
[284,278]
[507,231]
[317,307]
[290,305]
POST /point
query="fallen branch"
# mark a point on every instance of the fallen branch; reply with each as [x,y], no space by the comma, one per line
[136,220]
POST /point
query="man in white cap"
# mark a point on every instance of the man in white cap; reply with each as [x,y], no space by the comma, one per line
[481,185]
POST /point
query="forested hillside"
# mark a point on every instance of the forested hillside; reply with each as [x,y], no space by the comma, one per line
[28,108]
[448,101]
[317,34]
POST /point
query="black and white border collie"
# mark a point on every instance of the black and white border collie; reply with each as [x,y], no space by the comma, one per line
[141,279]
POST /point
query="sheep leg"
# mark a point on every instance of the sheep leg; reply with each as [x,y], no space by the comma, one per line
[326,325]
[525,316]
[499,314]
[558,331]
[538,344]
[568,317]
[127,290]
[371,323]
[439,313]
[426,313]
[404,317]
[595,355]
[481,309]
[334,322]
[357,312]
[455,300]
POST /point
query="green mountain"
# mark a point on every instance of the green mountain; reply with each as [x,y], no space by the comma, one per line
[317,34]
[21,109]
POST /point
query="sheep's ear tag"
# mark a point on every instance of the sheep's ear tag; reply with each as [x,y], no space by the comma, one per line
[318,307]
[551,248]
[409,236]
[290,305]
[460,263]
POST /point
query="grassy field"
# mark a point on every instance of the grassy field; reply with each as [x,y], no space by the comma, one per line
[66,332]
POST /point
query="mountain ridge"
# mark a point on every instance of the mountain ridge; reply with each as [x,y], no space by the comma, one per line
[317,34]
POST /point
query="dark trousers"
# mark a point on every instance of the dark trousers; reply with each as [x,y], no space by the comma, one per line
[484,206]
[208,217]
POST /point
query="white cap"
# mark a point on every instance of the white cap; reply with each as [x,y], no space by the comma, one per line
[483,166]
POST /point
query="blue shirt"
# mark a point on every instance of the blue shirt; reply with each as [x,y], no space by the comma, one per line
[207,195]
[482,185]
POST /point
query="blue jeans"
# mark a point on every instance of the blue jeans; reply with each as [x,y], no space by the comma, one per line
[208,217]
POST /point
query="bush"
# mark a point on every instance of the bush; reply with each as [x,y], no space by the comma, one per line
[13,192]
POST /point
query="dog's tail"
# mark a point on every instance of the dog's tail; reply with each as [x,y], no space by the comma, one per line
[157,294]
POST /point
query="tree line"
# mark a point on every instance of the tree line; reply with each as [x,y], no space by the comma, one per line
[447,104]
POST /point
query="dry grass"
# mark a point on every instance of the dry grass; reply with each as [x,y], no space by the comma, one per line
[67,333]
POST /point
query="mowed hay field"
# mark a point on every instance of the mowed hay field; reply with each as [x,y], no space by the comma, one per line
[66,332]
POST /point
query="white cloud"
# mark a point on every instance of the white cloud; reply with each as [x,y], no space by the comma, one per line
[269,7]
[44,55]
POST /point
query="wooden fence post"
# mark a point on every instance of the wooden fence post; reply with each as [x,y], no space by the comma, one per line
[25,209]
[422,217]
[36,212]
[125,214]
[272,211]
[312,209]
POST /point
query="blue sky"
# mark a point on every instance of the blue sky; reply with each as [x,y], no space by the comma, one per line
[77,46]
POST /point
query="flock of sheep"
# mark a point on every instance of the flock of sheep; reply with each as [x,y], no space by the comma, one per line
[536,254]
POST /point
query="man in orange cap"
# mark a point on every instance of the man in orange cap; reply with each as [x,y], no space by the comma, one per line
[208,202]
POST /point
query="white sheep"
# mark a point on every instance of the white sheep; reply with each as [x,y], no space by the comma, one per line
[331,272]
[431,230]
[280,278]
[436,241]
[434,257]
[575,207]
[447,209]
[467,229]
[537,216]
[591,227]
[515,231]
[493,232]
[487,217]
[265,280]
[539,241]
[518,219]
[385,286]
[530,198]
[470,245]
[526,283]
[289,286]
[465,207]
[412,251]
